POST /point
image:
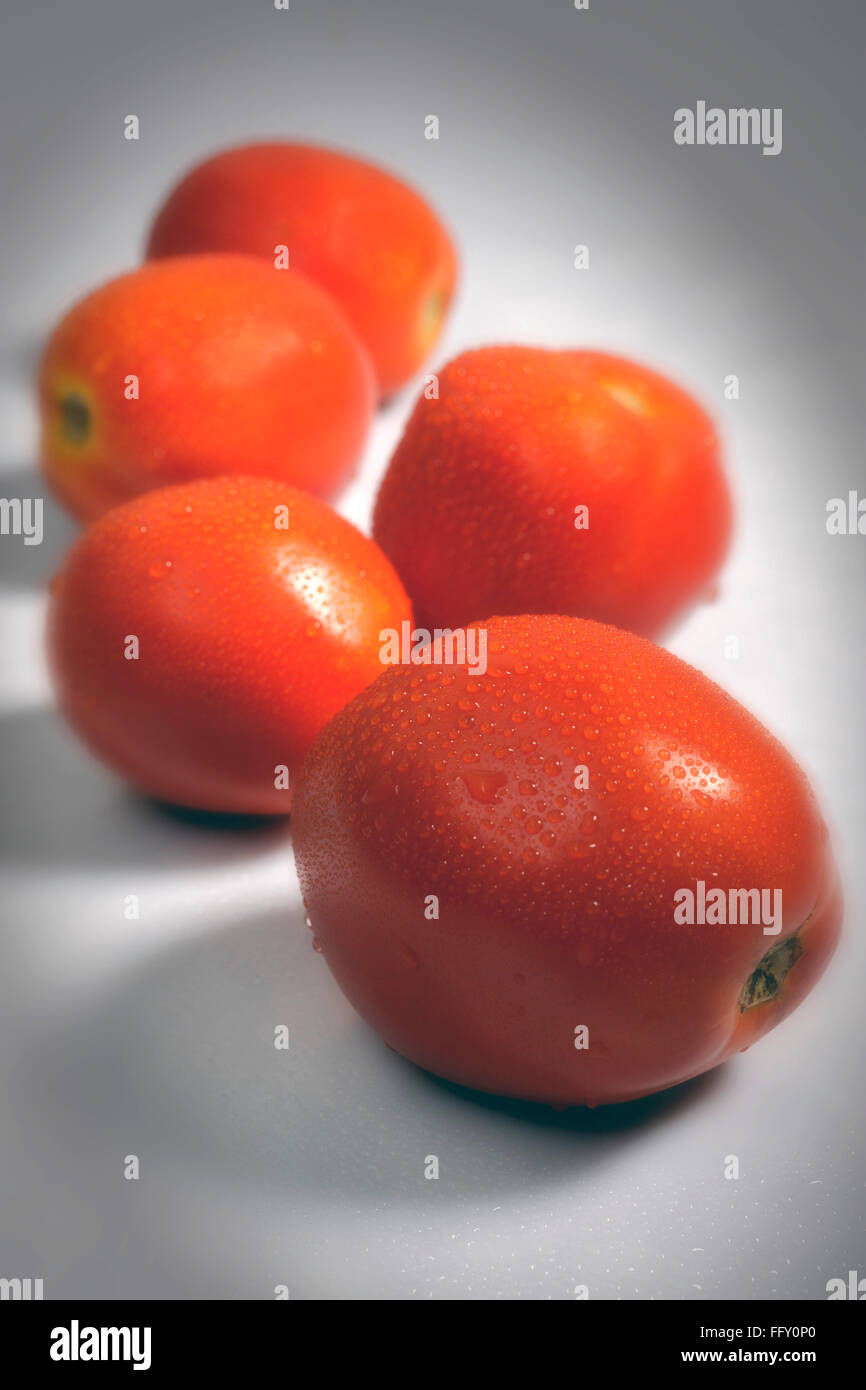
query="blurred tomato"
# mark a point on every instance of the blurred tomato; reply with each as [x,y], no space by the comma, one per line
[196,367]
[365,236]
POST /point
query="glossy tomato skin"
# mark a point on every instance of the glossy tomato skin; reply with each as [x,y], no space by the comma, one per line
[478,507]
[197,367]
[249,637]
[365,236]
[556,904]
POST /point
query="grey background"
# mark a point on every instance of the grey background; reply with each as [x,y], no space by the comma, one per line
[154,1037]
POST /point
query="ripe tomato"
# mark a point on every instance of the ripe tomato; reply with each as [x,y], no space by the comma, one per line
[494,865]
[199,645]
[554,482]
[362,234]
[196,367]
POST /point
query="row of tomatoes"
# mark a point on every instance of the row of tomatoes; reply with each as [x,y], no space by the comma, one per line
[489,858]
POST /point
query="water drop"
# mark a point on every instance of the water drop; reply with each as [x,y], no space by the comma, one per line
[483,786]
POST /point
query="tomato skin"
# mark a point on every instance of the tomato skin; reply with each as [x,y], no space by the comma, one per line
[250,637]
[477,508]
[366,237]
[556,905]
[241,368]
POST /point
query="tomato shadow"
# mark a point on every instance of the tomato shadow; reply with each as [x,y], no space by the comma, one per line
[70,812]
[31,567]
[181,1051]
[216,821]
[619,1118]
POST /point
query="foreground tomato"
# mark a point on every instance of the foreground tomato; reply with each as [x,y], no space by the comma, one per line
[199,645]
[367,238]
[515,930]
[554,482]
[197,367]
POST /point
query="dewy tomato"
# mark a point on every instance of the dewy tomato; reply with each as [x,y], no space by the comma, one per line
[583,876]
[202,635]
[541,481]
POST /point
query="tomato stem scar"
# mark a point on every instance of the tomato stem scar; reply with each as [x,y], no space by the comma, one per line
[433,311]
[74,418]
[766,979]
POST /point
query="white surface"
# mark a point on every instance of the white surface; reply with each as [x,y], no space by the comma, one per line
[155,1037]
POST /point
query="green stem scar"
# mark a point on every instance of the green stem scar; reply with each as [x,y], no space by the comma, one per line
[766,979]
[74,418]
[432,313]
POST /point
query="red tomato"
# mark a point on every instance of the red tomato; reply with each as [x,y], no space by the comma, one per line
[554,482]
[199,645]
[366,237]
[496,866]
[199,367]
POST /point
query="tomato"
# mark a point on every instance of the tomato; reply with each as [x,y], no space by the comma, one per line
[201,635]
[367,238]
[497,867]
[554,482]
[197,367]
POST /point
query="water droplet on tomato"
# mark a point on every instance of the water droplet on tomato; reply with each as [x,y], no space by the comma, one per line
[482,785]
